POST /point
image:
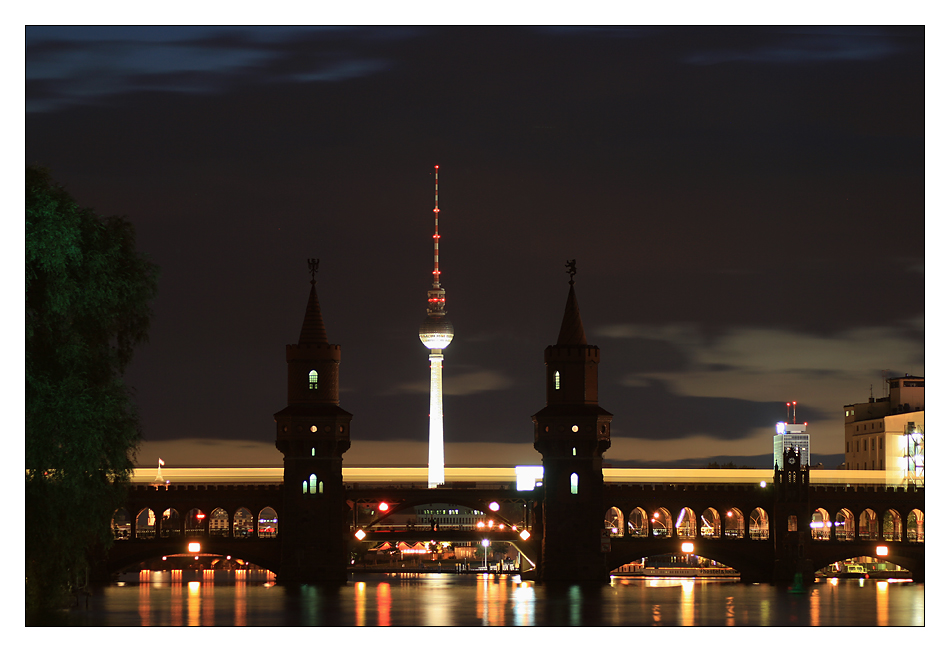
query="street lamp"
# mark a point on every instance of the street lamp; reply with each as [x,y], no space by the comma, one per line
[485,544]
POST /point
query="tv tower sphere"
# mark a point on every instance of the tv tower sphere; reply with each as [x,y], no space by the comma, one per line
[436,332]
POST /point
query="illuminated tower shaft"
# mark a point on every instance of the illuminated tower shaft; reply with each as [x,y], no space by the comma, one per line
[436,446]
[436,333]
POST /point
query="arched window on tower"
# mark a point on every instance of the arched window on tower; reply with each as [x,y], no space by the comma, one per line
[557,380]
[313,483]
[574,484]
[313,379]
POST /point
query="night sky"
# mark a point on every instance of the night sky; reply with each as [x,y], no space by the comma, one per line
[745,205]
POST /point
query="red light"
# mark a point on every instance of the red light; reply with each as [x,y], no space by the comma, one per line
[436,167]
[201,515]
[384,507]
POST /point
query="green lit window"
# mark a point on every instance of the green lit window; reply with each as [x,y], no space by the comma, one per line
[313,452]
[574,452]
[305,486]
[313,379]
[313,484]
[557,380]
[574,483]
[320,487]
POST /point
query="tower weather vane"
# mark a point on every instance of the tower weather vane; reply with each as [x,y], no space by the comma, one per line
[571,268]
[314,264]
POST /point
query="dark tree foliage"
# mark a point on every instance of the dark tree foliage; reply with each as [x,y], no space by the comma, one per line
[87,306]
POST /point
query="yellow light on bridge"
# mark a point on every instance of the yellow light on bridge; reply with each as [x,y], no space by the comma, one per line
[194,546]
[687,547]
[360,535]
[881,551]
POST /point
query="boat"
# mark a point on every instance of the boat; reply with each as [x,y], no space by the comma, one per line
[677,571]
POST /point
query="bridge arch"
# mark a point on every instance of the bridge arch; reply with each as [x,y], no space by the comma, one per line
[759,524]
[267,523]
[219,524]
[638,525]
[661,524]
[170,525]
[734,524]
[891,525]
[244,525]
[145,524]
[613,522]
[195,522]
[711,524]
[686,524]
[915,526]
[867,526]
[820,525]
[844,525]
[121,524]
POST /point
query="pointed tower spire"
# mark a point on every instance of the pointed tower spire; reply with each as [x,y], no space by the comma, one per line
[313,331]
[572,328]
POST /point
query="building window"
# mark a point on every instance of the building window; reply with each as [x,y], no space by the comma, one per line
[872,443]
[865,444]
[847,447]
[574,452]
[313,379]
[792,523]
[557,380]
[313,484]
[574,484]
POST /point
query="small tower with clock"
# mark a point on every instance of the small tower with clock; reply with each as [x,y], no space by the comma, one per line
[313,433]
[572,432]
[792,517]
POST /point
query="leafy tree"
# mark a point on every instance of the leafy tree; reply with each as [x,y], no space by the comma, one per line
[87,296]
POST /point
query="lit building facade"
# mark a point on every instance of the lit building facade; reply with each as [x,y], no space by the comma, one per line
[887,434]
[790,435]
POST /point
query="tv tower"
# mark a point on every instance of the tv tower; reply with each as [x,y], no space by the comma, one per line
[436,333]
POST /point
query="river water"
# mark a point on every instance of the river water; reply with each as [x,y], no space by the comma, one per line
[497,600]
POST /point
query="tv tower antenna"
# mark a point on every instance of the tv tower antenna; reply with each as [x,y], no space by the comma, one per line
[436,333]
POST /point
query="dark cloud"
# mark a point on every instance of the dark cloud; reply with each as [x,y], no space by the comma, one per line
[750,195]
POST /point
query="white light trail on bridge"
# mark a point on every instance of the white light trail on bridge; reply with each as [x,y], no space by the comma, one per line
[500,474]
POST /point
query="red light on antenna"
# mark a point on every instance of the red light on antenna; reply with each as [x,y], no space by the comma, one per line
[436,167]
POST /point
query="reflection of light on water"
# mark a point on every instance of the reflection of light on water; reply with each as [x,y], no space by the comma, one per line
[194,604]
[574,599]
[145,604]
[814,601]
[881,603]
[384,603]
[523,607]
[833,581]
[359,604]
[688,605]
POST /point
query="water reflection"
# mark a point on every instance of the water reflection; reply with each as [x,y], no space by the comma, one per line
[469,600]
[384,603]
[686,616]
[524,602]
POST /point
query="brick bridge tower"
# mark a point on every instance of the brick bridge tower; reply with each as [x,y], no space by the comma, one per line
[313,432]
[572,432]
[792,514]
